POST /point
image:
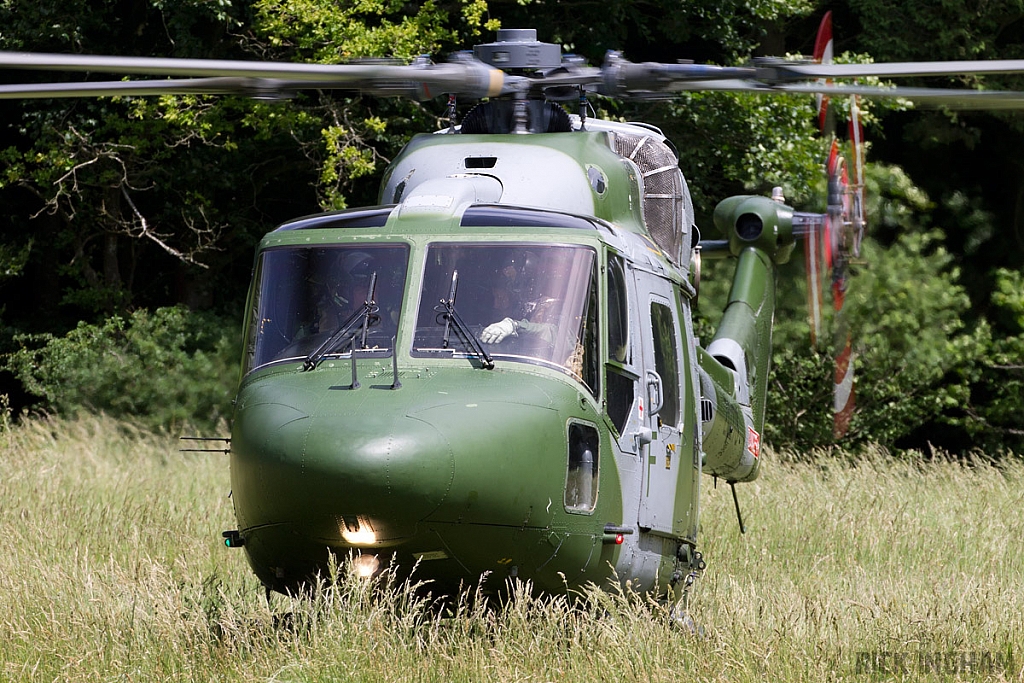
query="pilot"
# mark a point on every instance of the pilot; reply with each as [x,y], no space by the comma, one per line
[526,313]
[346,288]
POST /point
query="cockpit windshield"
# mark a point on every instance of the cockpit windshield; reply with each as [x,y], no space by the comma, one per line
[523,302]
[304,295]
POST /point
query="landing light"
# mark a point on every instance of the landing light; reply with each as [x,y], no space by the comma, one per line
[360,533]
[363,536]
[365,566]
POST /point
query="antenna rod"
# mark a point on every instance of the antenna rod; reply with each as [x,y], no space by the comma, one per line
[736,502]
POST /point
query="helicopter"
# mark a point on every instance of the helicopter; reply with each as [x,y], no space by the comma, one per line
[494,371]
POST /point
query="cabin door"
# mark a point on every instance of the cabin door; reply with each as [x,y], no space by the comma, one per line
[662,393]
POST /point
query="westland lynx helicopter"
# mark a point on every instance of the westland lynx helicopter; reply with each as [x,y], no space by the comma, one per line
[494,371]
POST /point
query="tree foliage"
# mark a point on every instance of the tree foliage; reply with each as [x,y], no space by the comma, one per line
[924,367]
[167,369]
[745,143]
[903,311]
[117,205]
[992,414]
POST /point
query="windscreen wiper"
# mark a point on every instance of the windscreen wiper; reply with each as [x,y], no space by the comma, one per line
[452,317]
[367,316]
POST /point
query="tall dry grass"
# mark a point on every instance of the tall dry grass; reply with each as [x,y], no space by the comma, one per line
[112,569]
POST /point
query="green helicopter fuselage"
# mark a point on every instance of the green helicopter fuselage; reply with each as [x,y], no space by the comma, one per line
[491,373]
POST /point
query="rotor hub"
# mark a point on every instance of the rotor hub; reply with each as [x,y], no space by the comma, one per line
[518,48]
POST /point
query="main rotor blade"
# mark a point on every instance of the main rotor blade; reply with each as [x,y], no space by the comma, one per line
[622,78]
[251,87]
[466,76]
[952,98]
[777,72]
[462,76]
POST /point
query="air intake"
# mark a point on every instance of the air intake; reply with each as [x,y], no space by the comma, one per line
[668,209]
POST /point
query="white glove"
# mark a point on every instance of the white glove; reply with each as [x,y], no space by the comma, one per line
[495,332]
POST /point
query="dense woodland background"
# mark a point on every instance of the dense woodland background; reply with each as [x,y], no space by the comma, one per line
[128,225]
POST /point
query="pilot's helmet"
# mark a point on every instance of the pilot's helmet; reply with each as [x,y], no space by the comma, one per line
[520,272]
[350,277]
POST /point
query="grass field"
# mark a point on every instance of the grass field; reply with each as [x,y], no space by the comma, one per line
[112,569]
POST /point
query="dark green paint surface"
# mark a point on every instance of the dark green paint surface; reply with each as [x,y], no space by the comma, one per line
[464,466]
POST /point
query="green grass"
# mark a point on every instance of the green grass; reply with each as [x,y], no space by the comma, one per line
[112,569]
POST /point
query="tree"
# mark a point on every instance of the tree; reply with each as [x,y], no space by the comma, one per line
[145,202]
[184,186]
[122,203]
[114,187]
[992,414]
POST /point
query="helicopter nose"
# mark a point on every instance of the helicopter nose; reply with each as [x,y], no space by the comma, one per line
[316,481]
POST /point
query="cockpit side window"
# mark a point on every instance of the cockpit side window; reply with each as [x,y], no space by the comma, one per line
[618,312]
[619,381]
[303,295]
